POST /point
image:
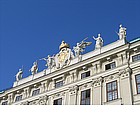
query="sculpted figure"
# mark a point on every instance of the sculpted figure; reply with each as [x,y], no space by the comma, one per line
[79,48]
[19,75]
[50,61]
[99,42]
[34,68]
[122,32]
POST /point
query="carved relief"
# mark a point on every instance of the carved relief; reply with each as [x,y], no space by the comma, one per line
[43,100]
[86,85]
[125,72]
[73,89]
[97,82]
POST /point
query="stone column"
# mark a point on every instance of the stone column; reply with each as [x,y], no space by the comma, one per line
[119,59]
[94,68]
[44,86]
[97,91]
[10,98]
[74,75]
[73,93]
[27,92]
[126,86]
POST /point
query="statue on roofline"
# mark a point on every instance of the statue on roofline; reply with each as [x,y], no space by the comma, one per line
[34,68]
[122,32]
[80,47]
[19,75]
[99,41]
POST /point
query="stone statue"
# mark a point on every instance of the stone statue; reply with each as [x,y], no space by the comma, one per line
[34,68]
[99,42]
[122,32]
[19,75]
[50,61]
[79,48]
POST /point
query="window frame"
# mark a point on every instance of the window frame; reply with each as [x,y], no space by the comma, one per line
[18,96]
[110,66]
[57,100]
[61,81]
[107,99]
[135,56]
[85,74]
[4,102]
[137,83]
[38,89]
[85,98]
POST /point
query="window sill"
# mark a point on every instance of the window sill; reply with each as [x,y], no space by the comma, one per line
[114,102]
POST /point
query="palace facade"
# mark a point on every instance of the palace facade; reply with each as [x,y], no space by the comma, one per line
[108,75]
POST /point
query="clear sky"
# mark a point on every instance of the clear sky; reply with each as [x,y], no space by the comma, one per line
[32,29]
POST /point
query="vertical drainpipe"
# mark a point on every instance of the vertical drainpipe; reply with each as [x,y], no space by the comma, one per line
[101,90]
[76,88]
[130,76]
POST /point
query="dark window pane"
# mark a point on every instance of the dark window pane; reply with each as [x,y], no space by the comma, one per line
[110,66]
[136,58]
[86,74]
[138,88]
[58,101]
[18,98]
[85,97]
[109,87]
[138,78]
[112,92]
[5,103]
[58,84]
[35,92]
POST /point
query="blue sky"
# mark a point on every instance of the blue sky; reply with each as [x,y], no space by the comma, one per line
[32,29]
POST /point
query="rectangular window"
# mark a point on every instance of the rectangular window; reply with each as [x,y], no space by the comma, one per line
[57,101]
[35,92]
[110,66]
[112,92]
[85,74]
[138,83]
[58,84]
[18,98]
[85,97]
[5,103]
[136,58]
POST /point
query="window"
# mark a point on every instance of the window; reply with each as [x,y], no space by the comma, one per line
[58,84]
[57,101]
[18,98]
[136,58]
[138,83]
[85,97]
[35,92]
[112,92]
[85,74]
[5,103]
[110,66]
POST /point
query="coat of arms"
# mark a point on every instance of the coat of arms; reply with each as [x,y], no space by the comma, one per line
[64,56]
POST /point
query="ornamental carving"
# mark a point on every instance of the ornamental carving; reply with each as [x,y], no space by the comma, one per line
[43,100]
[97,82]
[125,72]
[73,89]
[86,85]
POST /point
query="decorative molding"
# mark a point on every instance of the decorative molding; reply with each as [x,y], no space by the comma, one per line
[73,89]
[125,72]
[97,82]
[43,100]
